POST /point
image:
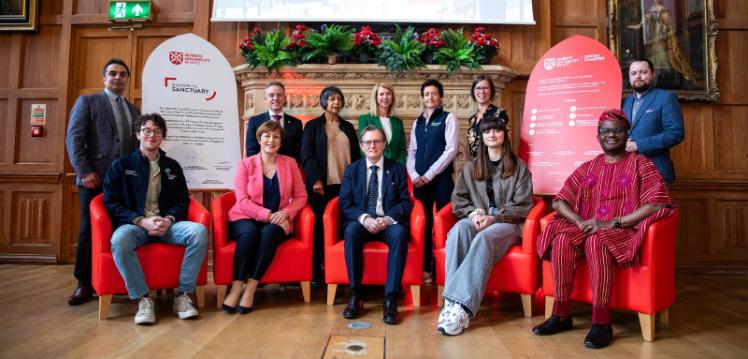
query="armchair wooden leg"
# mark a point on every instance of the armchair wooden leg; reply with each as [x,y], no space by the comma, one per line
[415,292]
[440,296]
[647,322]
[549,300]
[664,316]
[306,291]
[220,295]
[331,289]
[200,296]
[104,302]
[527,304]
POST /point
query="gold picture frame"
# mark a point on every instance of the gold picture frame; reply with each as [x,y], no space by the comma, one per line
[18,15]
[678,36]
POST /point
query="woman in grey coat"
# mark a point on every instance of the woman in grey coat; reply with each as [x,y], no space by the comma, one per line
[492,197]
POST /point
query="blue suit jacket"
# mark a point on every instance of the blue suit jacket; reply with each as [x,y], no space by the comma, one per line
[395,197]
[657,127]
[291,143]
[92,139]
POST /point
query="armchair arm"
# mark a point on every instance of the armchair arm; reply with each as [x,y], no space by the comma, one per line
[531,228]
[198,214]
[417,224]
[220,207]
[545,220]
[101,226]
[658,247]
[304,226]
[444,220]
[331,222]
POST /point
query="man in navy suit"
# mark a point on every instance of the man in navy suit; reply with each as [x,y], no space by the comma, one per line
[375,205]
[100,131]
[275,99]
[656,119]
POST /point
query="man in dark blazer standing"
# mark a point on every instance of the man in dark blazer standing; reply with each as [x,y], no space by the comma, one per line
[375,205]
[656,119]
[275,99]
[99,131]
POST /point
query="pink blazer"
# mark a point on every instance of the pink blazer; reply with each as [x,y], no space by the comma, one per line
[248,186]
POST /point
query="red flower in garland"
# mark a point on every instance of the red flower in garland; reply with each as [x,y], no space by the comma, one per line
[297,37]
[483,39]
[432,38]
[366,37]
[246,43]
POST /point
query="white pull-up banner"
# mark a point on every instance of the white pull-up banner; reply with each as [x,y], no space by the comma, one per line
[190,83]
[516,12]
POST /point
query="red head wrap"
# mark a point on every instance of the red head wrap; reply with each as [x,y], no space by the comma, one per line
[615,114]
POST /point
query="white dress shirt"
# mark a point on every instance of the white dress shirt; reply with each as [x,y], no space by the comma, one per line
[380,171]
[282,117]
[386,127]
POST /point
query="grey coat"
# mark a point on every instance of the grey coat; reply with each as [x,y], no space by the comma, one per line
[513,195]
[92,139]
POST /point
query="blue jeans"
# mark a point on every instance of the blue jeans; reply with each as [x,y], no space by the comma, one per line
[127,238]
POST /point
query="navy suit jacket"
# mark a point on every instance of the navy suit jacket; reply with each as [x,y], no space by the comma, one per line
[92,139]
[291,143]
[395,197]
[658,126]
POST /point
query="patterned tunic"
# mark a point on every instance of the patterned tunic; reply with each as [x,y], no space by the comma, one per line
[605,191]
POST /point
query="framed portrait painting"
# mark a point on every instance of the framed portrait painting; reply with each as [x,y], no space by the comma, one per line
[677,36]
[18,15]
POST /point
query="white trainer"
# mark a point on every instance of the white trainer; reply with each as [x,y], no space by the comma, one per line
[145,314]
[457,321]
[183,307]
[445,311]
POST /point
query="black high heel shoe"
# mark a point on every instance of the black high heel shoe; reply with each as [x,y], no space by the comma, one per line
[228,309]
[243,310]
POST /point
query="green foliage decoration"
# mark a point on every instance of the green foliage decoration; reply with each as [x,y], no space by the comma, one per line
[456,52]
[329,40]
[403,52]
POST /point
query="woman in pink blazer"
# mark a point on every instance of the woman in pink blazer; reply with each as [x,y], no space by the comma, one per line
[269,194]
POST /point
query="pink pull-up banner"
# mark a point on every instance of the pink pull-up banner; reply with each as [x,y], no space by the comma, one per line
[568,89]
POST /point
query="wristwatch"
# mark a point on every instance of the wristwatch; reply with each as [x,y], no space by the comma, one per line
[617,222]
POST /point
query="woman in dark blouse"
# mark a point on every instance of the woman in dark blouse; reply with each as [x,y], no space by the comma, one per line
[328,146]
[482,91]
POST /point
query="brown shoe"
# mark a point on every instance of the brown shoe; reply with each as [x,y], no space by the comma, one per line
[80,295]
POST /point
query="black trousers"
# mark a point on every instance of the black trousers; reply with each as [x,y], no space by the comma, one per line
[82,270]
[439,192]
[318,204]
[256,243]
[396,236]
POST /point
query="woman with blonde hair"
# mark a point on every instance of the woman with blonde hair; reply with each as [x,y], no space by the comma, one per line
[380,116]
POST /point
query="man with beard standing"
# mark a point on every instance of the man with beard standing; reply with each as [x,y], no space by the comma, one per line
[656,119]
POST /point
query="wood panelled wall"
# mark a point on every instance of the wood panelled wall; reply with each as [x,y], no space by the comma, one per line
[38,201]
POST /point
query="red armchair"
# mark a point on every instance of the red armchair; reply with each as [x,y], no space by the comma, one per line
[161,262]
[293,259]
[647,288]
[375,254]
[517,272]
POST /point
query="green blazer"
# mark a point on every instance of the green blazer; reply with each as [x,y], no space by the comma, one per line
[395,149]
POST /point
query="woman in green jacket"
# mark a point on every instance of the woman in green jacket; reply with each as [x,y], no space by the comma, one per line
[382,103]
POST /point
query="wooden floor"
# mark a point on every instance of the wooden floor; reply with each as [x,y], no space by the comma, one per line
[710,319]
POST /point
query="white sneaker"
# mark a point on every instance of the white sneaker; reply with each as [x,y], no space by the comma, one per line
[145,314]
[445,311]
[183,307]
[457,321]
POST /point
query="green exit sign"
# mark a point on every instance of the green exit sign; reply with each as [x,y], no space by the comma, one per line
[129,10]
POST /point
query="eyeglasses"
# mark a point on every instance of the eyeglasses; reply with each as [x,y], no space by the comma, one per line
[611,131]
[151,131]
[372,143]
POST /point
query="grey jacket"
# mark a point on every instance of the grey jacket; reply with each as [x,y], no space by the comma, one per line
[92,139]
[513,195]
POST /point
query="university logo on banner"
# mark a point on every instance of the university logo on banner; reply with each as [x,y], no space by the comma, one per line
[176,57]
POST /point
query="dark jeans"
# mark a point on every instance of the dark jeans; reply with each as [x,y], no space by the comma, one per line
[256,243]
[438,191]
[318,204]
[396,236]
[82,270]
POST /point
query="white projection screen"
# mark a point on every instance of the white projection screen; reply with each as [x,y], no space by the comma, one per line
[517,12]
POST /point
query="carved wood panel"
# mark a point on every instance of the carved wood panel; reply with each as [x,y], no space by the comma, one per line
[40,60]
[33,227]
